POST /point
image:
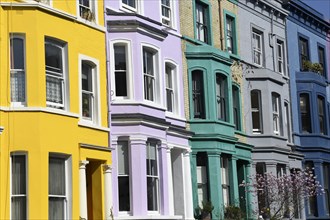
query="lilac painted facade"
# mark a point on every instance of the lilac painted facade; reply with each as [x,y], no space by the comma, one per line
[151,154]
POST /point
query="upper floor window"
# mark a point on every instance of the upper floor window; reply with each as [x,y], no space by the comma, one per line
[321,54]
[87,9]
[303,52]
[59,188]
[326,186]
[225,180]
[167,12]
[89,90]
[256,111]
[287,121]
[171,93]
[130,4]
[236,108]
[150,74]
[305,113]
[18,186]
[321,115]
[56,79]
[257,47]
[276,112]
[230,34]
[198,94]
[202,177]
[280,56]
[123,176]
[121,70]
[152,176]
[221,91]
[202,22]
[17,69]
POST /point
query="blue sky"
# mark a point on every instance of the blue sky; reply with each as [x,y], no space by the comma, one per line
[322,6]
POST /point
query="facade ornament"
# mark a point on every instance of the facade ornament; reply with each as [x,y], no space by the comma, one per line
[237,71]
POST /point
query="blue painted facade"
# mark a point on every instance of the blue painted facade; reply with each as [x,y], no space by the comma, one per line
[308,40]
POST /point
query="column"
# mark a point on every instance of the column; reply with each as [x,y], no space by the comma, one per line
[164,178]
[138,173]
[82,189]
[271,168]
[251,201]
[215,186]
[108,203]
[318,168]
[234,181]
[193,170]
[189,206]
[170,181]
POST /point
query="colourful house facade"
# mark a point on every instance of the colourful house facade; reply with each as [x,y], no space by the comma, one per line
[151,152]
[55,161]
[220,158]
[309,45]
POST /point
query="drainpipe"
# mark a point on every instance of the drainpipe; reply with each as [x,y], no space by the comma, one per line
[220,26]
[271,38]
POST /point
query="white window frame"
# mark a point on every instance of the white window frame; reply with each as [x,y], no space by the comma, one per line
[125,175]
[63,77]
[16,71]
[257,36]
[149,142]
[175,88]
[96,109]
[321,114]
[168,21]
[157,85]
[13,154]
[93,8]
[137,9]
[280,60]
[276,104]
[68,184]
[129,69]
[225,182]
[259,111]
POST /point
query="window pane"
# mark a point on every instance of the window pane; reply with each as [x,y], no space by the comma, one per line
[18,175]
[124,193]
[18,208]
[86,77]
[53,58]
[17,53]
[123,157]
[198,94]
[54,90]
[152,160]
[56,208]
[130,3]
[120,70]
[152,193]
[305,113]
[169,88]
[56,176]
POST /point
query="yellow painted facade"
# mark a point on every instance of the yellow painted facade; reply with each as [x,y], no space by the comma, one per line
[37,130]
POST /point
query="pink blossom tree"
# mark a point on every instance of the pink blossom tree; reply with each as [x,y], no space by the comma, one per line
[283,196]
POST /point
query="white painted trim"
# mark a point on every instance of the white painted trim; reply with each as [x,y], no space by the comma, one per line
[93,126]
[129,68]
[96,111]
[39,109]
[158,90]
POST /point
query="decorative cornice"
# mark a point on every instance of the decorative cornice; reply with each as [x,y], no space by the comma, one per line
[135,26]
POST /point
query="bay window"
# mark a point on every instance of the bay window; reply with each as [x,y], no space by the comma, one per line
[149,74]
[305,117]
[256,111]
[221,92]
[276,113]
[198,94]
[321,115]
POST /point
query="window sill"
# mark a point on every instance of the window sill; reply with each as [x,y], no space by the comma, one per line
[150,216]
[174,116]
[88,124]
[234,56]
[40,109]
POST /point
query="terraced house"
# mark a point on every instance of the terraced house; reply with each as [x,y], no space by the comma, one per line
[267,104]
[212,83]
[309,56]
[151,156]
[55,159]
